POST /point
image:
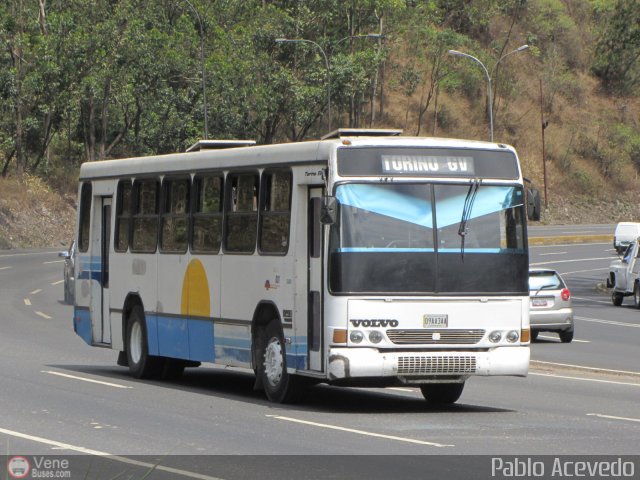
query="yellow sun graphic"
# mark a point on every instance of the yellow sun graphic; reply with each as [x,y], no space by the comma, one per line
[195,291]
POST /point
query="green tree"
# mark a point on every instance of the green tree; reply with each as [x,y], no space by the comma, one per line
[618,48]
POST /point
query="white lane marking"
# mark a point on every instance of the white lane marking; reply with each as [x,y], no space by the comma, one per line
[398,389]
[25,254]
[38,290]
[57,283]
[552,253]
[556,338]
[566,377]
[531,247]
[591,369]
[5,268]
[90,380]
[607,322]
[613,417]
[359,432]
[586,271]
[43,315]
[66,446]
[592,300]
[27,302]
[570,261]
[53,261]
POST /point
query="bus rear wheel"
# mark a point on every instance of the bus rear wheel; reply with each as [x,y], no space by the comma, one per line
[141,364]
[442,393]
[278,385]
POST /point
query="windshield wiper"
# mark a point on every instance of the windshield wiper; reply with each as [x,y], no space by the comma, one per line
[466,211]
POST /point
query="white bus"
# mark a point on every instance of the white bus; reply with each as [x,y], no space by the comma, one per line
[364,258]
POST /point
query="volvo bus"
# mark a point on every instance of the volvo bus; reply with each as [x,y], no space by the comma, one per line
[365,258]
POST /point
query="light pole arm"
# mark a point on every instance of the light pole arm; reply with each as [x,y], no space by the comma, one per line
[204,82]
[489,90]
[326,63]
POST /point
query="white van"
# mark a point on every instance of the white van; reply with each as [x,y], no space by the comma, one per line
[626,232]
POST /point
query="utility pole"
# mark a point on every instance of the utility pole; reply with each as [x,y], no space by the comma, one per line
[544,125]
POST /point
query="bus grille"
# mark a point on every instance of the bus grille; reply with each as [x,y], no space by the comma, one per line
[435,337]
[436,365]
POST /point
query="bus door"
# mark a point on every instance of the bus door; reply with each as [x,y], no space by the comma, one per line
[315,325]
[101,242]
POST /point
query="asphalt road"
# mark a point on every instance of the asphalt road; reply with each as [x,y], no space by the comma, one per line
[61,397]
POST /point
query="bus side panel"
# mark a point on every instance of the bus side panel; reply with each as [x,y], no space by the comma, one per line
[172,309]
[134,274]
[249,280]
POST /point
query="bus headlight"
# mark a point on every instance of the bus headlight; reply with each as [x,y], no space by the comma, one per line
[495,336]
[356,336]
[512,336]
[375,336]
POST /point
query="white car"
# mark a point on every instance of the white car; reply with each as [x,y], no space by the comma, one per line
[625,233]
[624,275]
[550,304]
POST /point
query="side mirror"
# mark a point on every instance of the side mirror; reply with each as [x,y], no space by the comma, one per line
[64,254]
[329,210]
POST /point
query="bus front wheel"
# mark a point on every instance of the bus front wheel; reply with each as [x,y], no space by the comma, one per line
[442,393]
[279,386]
[141,364]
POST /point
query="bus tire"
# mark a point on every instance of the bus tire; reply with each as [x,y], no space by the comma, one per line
[141,364]
[442,393]
[278,385]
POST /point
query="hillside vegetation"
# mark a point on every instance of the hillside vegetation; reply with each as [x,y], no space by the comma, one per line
[85,80]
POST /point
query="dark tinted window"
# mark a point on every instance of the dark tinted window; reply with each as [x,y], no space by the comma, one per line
[123,216]
[174,230]
[85,217]
[242,213]
[207,214]
[275,212]
[145,216]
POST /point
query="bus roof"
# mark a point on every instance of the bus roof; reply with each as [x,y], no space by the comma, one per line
[298,153]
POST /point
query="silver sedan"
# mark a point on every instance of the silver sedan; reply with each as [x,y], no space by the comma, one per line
[550,304]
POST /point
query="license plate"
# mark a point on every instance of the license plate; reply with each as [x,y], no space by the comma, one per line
[539,302]
[435,321]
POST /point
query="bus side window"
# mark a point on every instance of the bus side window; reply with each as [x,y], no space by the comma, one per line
[207,214]
[145,216]
[123,216]
[85,217]
[174,222]
[242,213]
[275,212]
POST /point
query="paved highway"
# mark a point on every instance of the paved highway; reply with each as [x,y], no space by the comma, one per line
[60,396]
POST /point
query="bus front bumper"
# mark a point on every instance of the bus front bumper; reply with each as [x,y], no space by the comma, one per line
[345,363]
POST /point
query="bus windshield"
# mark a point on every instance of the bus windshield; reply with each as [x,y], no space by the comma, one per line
[429,238]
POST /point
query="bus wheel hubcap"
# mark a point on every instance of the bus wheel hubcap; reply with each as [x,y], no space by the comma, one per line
[273,362]
[135,342]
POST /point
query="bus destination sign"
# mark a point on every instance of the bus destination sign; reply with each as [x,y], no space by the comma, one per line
[427,164]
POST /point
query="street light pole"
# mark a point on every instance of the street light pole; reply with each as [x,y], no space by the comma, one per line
[486,72]
[326,62]
[326,59]
[204,83]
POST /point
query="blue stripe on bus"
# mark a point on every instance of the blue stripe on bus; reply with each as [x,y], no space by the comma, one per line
[194,339]
[82,324]
[90,268]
